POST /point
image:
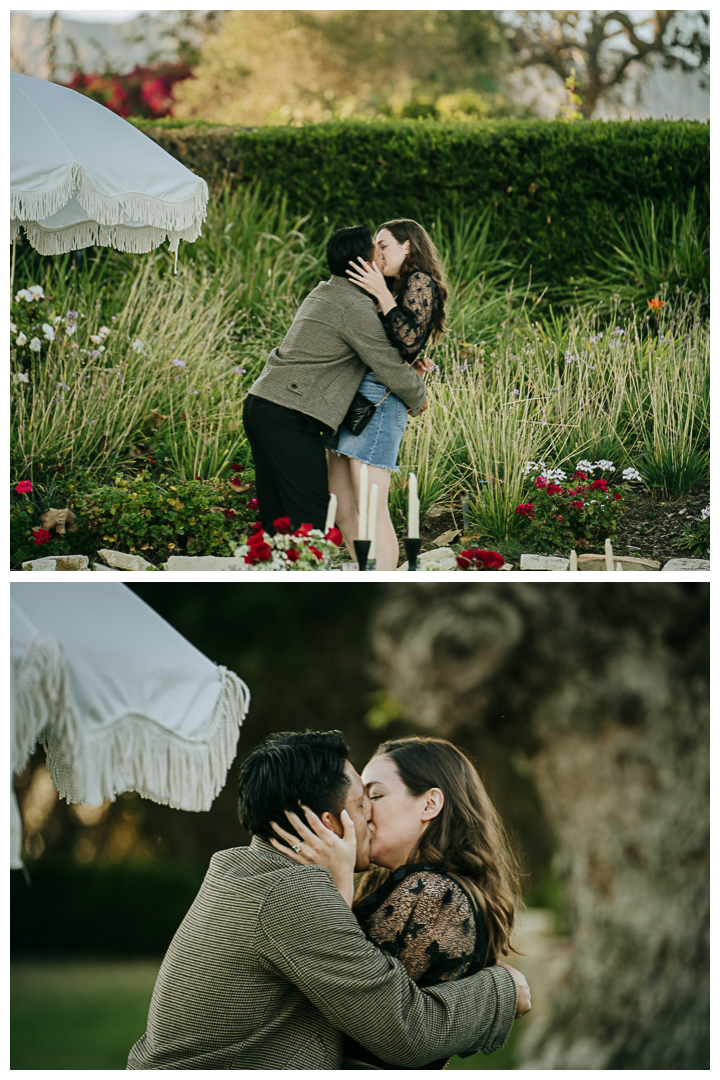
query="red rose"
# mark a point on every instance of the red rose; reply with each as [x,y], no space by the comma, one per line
[24,487]
[292,554]
[334,536]
[304,529]
[42,536]
[257,527]
[462,562]
[491,560]
[282,525]
[316,553]
[540,482]
[262,551]
[256,538]
[252,504]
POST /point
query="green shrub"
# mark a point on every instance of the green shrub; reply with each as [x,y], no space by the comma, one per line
[558,190]
[140,516]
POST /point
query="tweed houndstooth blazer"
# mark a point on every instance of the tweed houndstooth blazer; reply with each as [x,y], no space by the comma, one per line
[269,968]
[334,338]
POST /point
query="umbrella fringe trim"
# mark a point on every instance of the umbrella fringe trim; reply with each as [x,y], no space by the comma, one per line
[134,754]
[89,233]
[110,209]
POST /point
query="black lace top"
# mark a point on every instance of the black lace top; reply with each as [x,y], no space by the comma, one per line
[425,919]
[410,324]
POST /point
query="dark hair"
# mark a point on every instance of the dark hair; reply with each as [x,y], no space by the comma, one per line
[292,767]
[423,255]
[348,245]
[467,837]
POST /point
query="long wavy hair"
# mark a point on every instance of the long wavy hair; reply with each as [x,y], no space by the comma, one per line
[467,838]
[423,255]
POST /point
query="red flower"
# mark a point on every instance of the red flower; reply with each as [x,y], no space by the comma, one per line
[292,554]
[229,513]
[577,504]
[316,553]
[526,510]
[558,517]
[334,536]
[599,485]
[24,487]
[579,475]
[236,482]
[540,482]
[42,536]
[554,489]
[257,527]
[476,559]
[282,525]
[151,460]
[617,495]
[256,538]
[252,504]
[198,478]
[260,552]
[655,304]
[238,468]
[304,530]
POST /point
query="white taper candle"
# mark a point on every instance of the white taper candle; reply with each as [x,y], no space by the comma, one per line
[331,511]
[372,519]
[413,509]
[363,506]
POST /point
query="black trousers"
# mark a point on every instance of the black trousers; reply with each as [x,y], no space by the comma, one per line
[290,465]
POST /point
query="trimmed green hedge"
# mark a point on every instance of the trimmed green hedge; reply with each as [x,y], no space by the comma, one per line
[556,188]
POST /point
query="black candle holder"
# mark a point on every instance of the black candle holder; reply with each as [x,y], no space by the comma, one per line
[412,550]
[362,547]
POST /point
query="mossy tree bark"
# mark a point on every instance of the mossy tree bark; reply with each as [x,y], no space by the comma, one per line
[602,689]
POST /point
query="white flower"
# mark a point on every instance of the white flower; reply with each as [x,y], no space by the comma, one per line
[631,474]
[604,465]
[24,295]
[704,514]
[13,328]
[20,339]
[533,466]
[48,331]
[97,339]
[104,330]
[35,344]
[138,345]
[70,328]
[19,376]
[57,319]
[37,292]
[586,466]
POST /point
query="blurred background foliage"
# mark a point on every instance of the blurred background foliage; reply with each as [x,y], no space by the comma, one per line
[116,880]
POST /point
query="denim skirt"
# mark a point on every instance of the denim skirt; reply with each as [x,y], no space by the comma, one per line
[379,443]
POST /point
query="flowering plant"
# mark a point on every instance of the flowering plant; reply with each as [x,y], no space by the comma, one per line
[304,549]
[564,512]
[475,559]
[144,91]
[34,327]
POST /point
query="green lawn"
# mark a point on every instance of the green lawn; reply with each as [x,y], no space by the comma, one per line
[88,1015]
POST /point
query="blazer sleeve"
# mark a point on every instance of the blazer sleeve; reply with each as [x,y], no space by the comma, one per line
[307,933]
[364,333]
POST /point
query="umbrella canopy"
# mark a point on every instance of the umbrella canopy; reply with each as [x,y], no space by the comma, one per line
[118,698]
[82,175]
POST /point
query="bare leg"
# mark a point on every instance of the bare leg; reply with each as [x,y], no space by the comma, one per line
[340,482]
[386,543]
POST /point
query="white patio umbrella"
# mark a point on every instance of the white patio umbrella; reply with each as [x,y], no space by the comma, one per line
[118,698]
[82,175]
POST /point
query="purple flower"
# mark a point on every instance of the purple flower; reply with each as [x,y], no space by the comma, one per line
[178,363]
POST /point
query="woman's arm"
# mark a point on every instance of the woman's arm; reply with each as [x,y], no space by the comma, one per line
[409,324]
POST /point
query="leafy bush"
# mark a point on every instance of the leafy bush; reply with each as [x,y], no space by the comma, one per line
[558,190]
[570,515]
[154,519]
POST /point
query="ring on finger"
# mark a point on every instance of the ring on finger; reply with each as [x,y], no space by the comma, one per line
[296,847]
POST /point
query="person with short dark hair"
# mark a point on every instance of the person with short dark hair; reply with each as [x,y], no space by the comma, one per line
[309,382]
[270,969]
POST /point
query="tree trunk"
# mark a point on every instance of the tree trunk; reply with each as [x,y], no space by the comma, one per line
[603,690]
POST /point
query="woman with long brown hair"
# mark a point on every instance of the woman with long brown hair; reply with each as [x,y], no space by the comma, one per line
[442,892]
[406,280]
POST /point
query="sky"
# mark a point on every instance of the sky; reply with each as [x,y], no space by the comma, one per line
[81,15]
